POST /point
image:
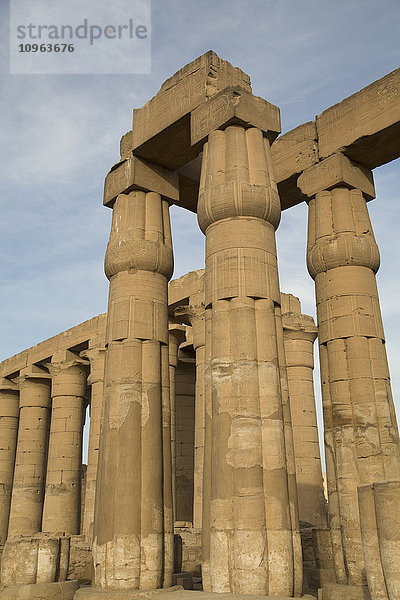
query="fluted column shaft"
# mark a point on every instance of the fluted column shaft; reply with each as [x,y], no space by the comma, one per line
[61,512]
[95,380]
[361,436]
[299,336]
[194,314]
[197,321]
[250,532]
[133,540]
[9,415]
[31,454]
[176,336]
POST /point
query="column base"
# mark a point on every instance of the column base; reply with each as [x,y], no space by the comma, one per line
[173,593]
[62,590]
[42,558]
[335,591]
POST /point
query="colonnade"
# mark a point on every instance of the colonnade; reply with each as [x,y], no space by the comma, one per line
[254,455]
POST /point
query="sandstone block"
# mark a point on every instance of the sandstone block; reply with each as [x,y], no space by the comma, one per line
[161,127]
[366,125]
[137,174]
[234,106]
[292,153]
[63,590]
[34,560]
[335,171]
[80,560]
[334,591]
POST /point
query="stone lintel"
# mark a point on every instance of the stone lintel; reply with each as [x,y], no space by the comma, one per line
[290,303]
[66,359]
[366,125]
[160,131]
[299,326]
[137,174]
[7,385]
[180,290]
[34,372]
[294,320]
[337,170]
[90,333]
[234,106]
[292,153]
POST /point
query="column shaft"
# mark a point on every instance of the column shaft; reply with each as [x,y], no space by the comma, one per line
[9,414]
[195,316]
[250,531]
[361,432]
[199,428]
[185,415]
[299,335]
[176,337]
[133,541]
[31,454]
[96,381]
[61,512]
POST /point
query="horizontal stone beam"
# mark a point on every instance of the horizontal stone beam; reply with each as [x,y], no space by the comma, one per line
[364,126]
[160,131]
[337,170]
[67,340]
[234,106]
[180,290]
[92,330]
[137,174]
[292,153]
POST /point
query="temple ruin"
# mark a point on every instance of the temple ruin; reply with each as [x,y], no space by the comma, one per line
[204,471]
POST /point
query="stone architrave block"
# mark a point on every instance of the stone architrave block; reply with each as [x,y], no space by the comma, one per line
[234,106]
[366,125]
[137,174]
[337,170]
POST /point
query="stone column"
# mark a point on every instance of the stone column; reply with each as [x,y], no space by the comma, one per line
[9,414]
[176,335]
[61,512]
[299,335]
[370,541]
[31,455]
[133,539]
[387,505]
[250,531]
[194,313]
[95,381]
[361,436]
[185,384]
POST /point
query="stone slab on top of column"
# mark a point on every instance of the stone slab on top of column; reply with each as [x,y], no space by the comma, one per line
[135,173]
[337,170]
[234,106]
[160,127]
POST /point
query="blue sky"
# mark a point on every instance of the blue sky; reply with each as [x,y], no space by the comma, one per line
[60,135]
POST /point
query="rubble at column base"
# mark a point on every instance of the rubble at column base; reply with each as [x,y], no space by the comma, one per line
[61,590]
